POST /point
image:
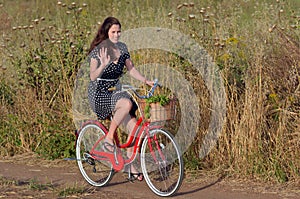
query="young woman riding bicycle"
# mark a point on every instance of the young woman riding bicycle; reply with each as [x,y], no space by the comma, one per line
[108,57]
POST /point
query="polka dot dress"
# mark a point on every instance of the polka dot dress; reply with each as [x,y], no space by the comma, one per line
[103,101]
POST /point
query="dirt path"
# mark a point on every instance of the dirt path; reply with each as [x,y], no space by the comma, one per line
[30,177]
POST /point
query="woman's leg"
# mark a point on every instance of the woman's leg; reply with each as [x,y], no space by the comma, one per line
[122,108]
[121,114]
[130,126]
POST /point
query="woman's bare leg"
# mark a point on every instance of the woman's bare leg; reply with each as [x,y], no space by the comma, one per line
[122,109]
[130,126]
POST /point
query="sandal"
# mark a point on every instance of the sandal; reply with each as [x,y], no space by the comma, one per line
[136,176]
[132,176]
[108,147]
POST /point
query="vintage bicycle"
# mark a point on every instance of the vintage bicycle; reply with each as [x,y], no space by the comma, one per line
[155,149]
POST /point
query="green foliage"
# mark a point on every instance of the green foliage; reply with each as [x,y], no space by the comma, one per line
[161,99]
[62,145]
[6,93]
[10,141]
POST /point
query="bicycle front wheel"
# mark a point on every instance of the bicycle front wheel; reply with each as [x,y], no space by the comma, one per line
[96,172]
[161,162]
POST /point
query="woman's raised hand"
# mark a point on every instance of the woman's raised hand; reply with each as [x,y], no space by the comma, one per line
[103,56]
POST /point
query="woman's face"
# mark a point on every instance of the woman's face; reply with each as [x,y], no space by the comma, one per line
[114,33]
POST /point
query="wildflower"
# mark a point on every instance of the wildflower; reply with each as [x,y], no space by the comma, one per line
[179,6]
[294,26]
[272,28]
[191,16]
[37,58]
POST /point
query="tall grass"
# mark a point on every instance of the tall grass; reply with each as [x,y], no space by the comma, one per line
[255,45]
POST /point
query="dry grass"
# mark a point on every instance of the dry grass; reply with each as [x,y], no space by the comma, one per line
[255,45]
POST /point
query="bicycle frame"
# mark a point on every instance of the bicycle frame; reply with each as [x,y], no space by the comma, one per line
[136,136]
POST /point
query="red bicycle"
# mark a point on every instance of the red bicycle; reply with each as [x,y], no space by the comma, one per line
[157,151]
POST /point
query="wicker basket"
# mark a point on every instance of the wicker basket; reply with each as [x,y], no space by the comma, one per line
[158,112]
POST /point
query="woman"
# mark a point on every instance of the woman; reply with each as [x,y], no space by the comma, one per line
[108,57]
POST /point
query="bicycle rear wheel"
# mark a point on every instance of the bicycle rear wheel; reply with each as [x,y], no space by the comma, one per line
[96,172]
[161,163]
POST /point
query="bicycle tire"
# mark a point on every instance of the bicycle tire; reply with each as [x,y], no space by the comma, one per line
[165,174]
[95,172]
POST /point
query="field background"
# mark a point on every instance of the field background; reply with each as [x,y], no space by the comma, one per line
[255,44]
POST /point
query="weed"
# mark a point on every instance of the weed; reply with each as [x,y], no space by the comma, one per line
[69,191]
[36,186]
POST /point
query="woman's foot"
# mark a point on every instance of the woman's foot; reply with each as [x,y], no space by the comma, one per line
[137,176]
[134,174]
[109,146]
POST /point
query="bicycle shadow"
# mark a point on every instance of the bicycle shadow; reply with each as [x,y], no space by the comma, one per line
[200,188]
[121,179]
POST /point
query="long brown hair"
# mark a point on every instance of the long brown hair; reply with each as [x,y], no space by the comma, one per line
[102,33]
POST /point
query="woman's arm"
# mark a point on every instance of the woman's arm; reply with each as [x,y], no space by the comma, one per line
[104,60]
[135,73]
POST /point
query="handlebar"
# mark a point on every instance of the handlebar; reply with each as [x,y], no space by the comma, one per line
[126,87]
